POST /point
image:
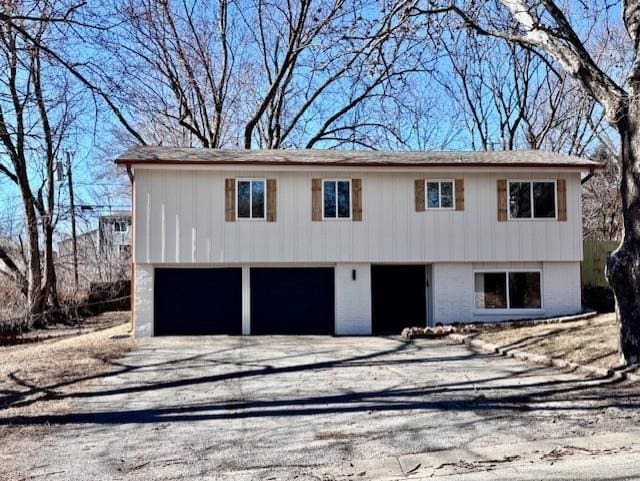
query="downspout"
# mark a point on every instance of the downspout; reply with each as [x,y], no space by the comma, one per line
[133,237]
[588,176]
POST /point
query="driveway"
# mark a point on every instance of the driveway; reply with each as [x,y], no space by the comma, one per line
[330,408]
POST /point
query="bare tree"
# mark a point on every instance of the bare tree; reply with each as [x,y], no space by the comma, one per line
[36,109]
[545,27]
[520,101]
[602,210]
[266,73]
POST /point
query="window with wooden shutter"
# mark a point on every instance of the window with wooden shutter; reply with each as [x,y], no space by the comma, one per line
[356,186]
[562,199]
[272,193]
[230,200]
[459,188]
[502,200]
[419,195]
[316,200]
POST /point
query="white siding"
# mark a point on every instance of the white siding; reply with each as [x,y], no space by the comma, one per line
[180,219]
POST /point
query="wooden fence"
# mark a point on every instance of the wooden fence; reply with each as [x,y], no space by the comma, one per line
[595,254]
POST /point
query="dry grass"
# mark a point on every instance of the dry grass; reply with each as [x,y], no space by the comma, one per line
[589,342]
[35,378]
[59,331]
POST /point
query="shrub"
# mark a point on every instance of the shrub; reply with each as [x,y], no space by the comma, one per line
[598,298]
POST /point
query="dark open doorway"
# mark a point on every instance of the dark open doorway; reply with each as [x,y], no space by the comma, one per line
[398,297]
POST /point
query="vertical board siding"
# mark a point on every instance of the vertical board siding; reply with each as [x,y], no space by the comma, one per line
[180,218]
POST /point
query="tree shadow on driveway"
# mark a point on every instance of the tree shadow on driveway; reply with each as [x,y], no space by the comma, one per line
[524,389]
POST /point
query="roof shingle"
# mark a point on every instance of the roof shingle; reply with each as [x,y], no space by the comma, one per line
[514,158]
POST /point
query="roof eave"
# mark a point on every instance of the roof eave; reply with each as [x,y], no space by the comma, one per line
[545,165]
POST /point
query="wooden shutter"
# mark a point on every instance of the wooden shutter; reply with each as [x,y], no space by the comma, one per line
[459,188]
[316,200]
[356,186]
[272,192]
[562,199]
[230,200]
[502,200]
[419,194]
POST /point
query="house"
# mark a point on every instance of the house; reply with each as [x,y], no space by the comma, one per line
[111,237]
[103,253]
[351,243]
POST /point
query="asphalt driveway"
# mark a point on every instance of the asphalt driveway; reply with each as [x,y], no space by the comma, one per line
[328,408]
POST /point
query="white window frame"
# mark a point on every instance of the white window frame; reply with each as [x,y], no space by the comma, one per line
[440,181]
[534,181]
[350,199]
[508,309]
[251,218]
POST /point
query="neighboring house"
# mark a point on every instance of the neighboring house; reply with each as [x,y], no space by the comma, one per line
[324,242]
[104,253]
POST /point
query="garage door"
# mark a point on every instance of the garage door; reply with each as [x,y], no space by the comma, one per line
[198,301]
[292,300]
[398,297]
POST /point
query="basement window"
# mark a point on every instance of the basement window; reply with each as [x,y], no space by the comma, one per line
[532,200]
[508,290]
[336,195]
[250,198]
[439,194]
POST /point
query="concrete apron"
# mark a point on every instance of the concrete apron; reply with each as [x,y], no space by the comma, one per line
[549,459]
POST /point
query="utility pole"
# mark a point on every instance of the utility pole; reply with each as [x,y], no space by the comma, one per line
[72,205]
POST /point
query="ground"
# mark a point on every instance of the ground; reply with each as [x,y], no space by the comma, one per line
[278,407]
[591,342]
[39,374]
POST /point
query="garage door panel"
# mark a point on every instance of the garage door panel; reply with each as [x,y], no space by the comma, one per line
[293,300]
[198,301]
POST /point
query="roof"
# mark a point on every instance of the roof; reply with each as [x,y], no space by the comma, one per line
[144,155]
[116,215]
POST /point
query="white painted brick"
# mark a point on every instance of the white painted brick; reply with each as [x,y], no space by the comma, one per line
[561,286]
[143,307]
[353,299]
[454,297]
[452,289]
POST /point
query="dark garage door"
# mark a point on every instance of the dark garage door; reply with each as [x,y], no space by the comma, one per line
[198,301]
[296,300]
[398,296]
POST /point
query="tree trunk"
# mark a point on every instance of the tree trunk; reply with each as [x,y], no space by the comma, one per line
[36,300]
[623,265]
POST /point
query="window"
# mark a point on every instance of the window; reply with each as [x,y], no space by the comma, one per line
[507,290]
[337,199]
[120,226]
[532,200]
[439,194]
[250,198]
